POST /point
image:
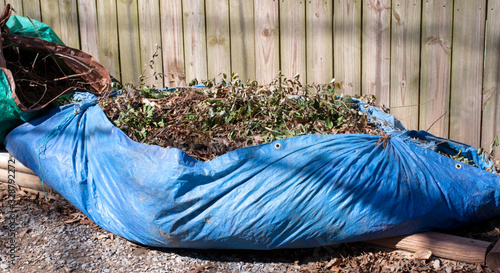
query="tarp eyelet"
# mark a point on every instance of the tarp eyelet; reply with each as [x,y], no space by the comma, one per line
[458,166]
[277,145]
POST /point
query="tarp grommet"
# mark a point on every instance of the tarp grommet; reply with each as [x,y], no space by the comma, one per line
[458,166]
[277,145]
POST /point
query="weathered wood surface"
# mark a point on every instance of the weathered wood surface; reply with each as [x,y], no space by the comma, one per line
[435,66]
[88,27]
[491,84]
[467,71]
[376,50]
[172,43]
[218,39]
[241,19]
[266,40]
[195,46]
[441,245]
[128,38]
[293,38]
[405,62]
[150,43]
[319,41]
[347,45]
[109,51]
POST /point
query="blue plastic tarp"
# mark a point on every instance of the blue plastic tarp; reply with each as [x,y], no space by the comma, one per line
[305,191]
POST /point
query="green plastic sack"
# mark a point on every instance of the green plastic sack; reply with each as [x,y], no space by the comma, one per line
[10,115]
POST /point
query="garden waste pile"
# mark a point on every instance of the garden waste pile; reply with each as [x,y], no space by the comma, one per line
[232,164]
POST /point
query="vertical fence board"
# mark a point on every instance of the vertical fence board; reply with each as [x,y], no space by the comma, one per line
[347,44]
[319,27]
[68,16]
[218,40]
[172,42]
[241,19]
[88,27]
[376,49]
[491,86]
[467,71]
[195,47]
[150,42]
[128,40]
[405,61]
[293,38]
[435,66]
[16,4]
[107,38]
[50,15]
[266,40]
[31,9]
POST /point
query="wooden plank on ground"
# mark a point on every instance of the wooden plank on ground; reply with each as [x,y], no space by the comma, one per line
[107,28]
[491,86]
[87,11]
[68,16]
[405,61]
[195,42]
[218,39]
[319,28]
[467,71]
[128,38]
[347,45]
[50,15]
[376,50]
[441,245]
[435,66]
[172,43]
[293,38]
[31,9]
[150,42]
[266,40]
[241,19]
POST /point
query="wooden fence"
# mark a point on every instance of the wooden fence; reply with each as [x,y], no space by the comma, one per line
[434,63]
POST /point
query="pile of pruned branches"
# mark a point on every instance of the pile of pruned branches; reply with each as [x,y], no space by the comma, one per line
[220,117]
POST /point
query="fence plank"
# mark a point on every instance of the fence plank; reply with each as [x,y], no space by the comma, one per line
[405,61]
[128,41]
[376,49]
[218,40]
[50,15]
[241,19]
[88,27]
[293,38]
[491,85]
[68,16]
[195,47]
[172,43]
[16,4]
[266,40]
[467,71]
[319,28]
[107,38]
[347,45]
[435,66]
[150,42]
[31,9]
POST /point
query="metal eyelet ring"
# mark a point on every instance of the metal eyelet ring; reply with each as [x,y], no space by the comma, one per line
[458,166]
[277,145]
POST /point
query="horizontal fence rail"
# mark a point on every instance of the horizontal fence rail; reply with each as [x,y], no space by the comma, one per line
[434,63]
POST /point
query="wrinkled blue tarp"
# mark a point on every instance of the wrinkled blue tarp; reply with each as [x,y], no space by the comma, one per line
[305,191]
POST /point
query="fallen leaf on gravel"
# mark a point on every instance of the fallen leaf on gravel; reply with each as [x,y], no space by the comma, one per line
[200,268]
[422,255]
[333,262]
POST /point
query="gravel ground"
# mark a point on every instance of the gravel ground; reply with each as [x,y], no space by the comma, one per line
[53,236]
